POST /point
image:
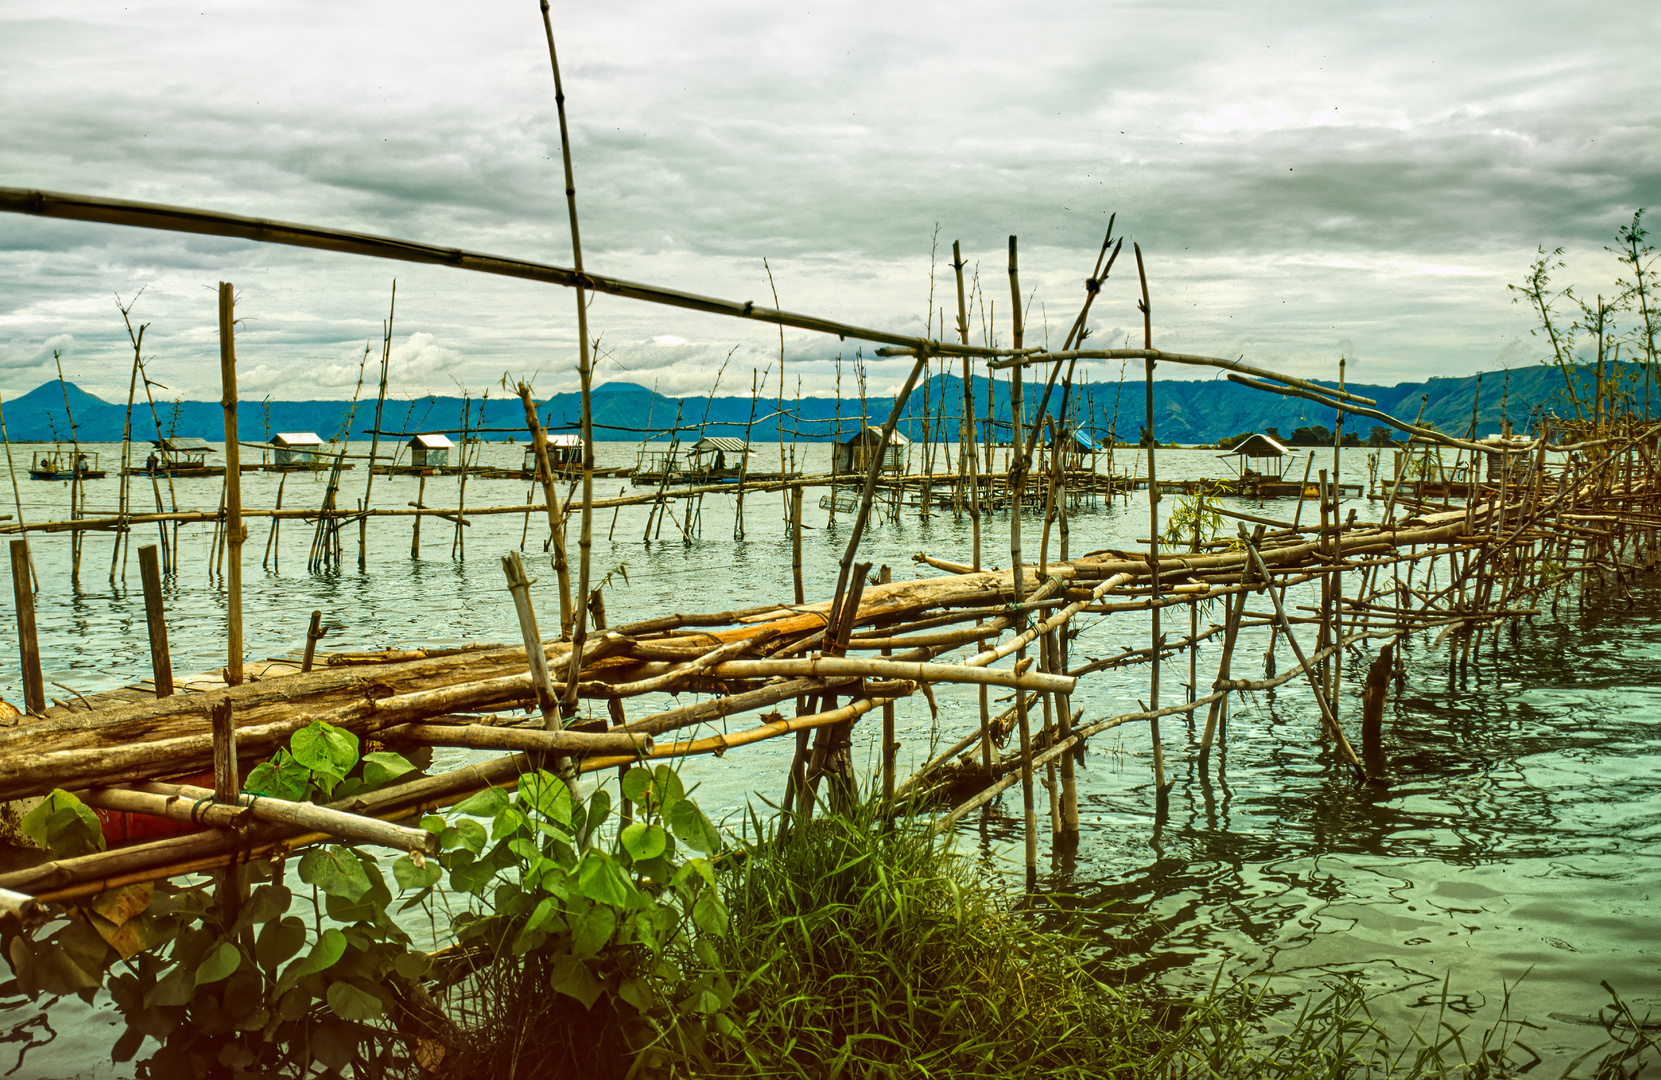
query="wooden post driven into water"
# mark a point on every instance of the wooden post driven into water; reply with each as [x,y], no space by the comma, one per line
[234,532]
[314,634]
[1153,536]
[1017,482]
[34,685]
[796,539]
[161,662]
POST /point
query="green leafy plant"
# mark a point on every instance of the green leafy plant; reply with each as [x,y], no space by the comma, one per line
[600,932]
[620,929]
[322,764]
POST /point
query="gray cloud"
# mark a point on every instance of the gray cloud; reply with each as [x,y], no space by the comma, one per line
[1304,179]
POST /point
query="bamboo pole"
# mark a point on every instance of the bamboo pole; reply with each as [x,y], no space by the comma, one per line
[375,437]
[161,662]
[1153,533]
[314,634]
[34,685]
[519,586]
[556,524]
[234,531]
[585,373]
[796,542]
[17,497]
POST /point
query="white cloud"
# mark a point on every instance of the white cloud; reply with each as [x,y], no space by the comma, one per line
[1296,174]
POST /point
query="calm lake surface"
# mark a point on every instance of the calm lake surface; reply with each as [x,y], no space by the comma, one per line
[1521,833]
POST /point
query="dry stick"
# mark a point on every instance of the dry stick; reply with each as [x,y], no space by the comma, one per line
[126,453]
[161,661]
[889,746]
[1236,609]
[234,531]
[1314,681]
[77,482]
[969,461]
[34,685]
[556,526]
[1016,482]
[585,371]
[796,542]
[420,504]
[1153,534]
[276,524]
[375,438]
[458,542]
[17,496]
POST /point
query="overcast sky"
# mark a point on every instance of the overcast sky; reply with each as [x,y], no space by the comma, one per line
[1306,179]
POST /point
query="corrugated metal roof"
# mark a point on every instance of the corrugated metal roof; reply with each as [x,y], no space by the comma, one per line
[562,438]
[873,434]
[724,443]
[432,442]
[296,438]
[183,444]
[1260,446]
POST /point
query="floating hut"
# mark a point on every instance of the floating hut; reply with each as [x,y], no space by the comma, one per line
[179,456]
[1258,457]
[720,454]
[855,454]
[429,451]
[565,451]
[297,448]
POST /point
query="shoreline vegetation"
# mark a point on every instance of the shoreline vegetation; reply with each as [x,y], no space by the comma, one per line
[624,935]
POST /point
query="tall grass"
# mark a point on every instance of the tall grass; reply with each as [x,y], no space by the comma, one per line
[875,952]
[862,949]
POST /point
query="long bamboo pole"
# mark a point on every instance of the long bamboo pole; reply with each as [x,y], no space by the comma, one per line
[235,533]
[1145,306]
[585,371]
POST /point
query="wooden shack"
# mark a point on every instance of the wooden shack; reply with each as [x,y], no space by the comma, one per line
[718,455]
[1258,457]
[179,456]
[565,451]
[1079,450]
[429,451]
[854,454]
[297,448]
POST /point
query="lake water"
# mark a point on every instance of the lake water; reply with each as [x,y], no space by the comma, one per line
[1521,832]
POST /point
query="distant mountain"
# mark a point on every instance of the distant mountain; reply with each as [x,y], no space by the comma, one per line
[1193,411]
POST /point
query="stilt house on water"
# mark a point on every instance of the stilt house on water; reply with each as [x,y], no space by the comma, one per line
[297,448]
[855,454]
[719,456]
[565,451]
[429,451]
[1258,457]
[179,456]
[1079,450]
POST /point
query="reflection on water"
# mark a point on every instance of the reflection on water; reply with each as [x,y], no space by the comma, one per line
[1521,831]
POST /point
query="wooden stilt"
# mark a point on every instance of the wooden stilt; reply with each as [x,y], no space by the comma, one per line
[34,685]
[161,663]
[235,534]
[314,634]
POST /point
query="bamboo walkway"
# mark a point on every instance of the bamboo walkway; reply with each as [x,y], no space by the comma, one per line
[1557,514]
